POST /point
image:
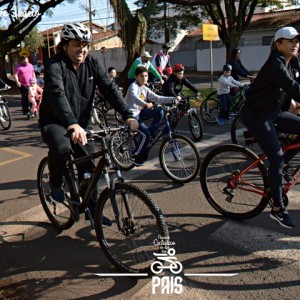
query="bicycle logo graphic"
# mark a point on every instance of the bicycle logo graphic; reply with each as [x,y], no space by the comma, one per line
[174,265]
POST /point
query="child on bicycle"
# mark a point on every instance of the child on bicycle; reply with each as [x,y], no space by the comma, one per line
[225,82]
[263,116]
[138,98]
[174,85]
[35,94]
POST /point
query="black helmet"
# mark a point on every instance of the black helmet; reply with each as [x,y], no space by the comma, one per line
[227,67]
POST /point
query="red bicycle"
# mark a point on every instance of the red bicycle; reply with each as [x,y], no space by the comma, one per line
[234,180]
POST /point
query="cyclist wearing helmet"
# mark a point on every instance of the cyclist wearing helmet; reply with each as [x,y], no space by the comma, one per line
[173,86]
[71,77]
[262,113]
[225,82]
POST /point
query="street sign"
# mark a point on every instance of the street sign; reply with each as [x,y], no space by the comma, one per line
[24,51]
[210,32]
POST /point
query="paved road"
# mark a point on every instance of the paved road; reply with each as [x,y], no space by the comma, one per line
[38,262]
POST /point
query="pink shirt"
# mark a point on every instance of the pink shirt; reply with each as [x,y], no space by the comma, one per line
[24,73]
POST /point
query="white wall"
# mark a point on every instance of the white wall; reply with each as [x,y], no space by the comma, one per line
[252,58]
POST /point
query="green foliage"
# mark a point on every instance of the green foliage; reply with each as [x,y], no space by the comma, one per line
[34,40]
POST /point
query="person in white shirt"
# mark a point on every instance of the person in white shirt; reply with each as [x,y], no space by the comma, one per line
[225,82]
[137,98]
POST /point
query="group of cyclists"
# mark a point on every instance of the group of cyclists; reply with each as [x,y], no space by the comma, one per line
[72,75]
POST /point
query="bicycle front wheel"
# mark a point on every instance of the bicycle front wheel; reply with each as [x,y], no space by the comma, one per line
[59,214]
[195,126]
[229,187]
[121,146]
[98,118]
[209,110]
[130,247]
[5,116]
[179,158]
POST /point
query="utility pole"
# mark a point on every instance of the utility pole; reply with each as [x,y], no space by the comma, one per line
[167,35]
[91,22]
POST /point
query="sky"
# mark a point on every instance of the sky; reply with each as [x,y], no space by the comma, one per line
[66,12]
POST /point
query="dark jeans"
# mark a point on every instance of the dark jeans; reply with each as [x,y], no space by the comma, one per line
[157,114]
[262,127]
[60,148]
[224,106]
[24,99]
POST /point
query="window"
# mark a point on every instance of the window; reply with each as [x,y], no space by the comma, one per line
[266,40]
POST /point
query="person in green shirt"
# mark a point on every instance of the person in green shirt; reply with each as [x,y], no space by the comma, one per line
[143,60]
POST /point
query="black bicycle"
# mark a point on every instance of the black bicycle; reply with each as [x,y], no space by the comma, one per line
[136,221]
[195,124]
[210,107]
[178,155]
[5,116]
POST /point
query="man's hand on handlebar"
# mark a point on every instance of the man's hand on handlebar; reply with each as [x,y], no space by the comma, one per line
[78,134]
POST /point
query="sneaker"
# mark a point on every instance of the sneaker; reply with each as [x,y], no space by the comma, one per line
[220,121]
[106,222]
[57,195]
[283,218]
[2,120]
[234,113]
[136,159]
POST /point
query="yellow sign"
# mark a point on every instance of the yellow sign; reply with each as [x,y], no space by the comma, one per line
[210,32]
[24,51]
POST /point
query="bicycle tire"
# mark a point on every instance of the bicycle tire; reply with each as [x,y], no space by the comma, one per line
[209,110]
[218,167]
[119,118]
[59,214]
[195,126]
[240,135]
[5,113]
[179,158]
[98,118]
[121,146]
[130,249]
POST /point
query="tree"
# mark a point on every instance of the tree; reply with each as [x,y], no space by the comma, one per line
[21,20]
[133,28]
[234,19]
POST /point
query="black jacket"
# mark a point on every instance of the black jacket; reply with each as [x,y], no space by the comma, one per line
[238,69]
[173,86]
[68,94]
[273,82]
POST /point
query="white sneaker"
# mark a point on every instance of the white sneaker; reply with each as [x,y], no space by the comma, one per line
[2,120]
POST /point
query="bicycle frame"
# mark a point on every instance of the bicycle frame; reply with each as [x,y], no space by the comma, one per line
[102,167]
[187,109]
[260,191]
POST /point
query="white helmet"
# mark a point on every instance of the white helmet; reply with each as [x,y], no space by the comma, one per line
[76,31]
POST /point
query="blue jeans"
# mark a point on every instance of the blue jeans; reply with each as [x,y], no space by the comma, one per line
[224,106]
[157,114]
[262,127]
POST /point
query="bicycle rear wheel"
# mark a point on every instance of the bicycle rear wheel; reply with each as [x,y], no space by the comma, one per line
[121,146]
[130,248]
[195,126]
[224,186]
[179,158]
[240,135]
[58,213]
[5,116]
[209,110]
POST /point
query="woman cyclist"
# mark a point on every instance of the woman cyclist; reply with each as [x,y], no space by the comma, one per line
[262,110]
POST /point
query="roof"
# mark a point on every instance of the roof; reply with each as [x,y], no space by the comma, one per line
[269,20]
[275,19]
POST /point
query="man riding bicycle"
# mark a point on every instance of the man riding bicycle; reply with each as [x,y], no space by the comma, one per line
[70,78]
